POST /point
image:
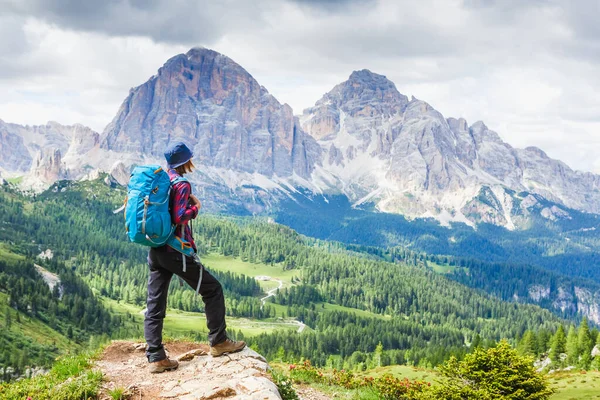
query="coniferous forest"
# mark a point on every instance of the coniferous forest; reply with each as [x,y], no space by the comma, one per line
[406,309]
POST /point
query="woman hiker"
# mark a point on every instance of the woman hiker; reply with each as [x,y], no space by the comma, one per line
[165,261]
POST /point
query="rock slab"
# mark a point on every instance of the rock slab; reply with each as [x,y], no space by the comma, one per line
[200,376]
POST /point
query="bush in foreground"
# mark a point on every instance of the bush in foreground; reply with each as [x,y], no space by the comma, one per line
[495,373]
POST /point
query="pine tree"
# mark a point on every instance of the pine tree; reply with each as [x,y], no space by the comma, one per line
[572,347]
[476,342]
[378,353]
[544,339]
[559,345]
[527,345]
[585,345]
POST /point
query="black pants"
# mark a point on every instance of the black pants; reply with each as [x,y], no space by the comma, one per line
[163,264]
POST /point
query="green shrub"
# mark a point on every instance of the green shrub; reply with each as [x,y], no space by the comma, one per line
[306,373]
[389,387]
[492,374]
[284,385]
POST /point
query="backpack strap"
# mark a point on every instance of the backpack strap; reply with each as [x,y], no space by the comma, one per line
[178,179]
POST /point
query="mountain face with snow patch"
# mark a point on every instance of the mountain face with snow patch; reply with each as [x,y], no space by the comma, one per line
[363,139]
[405,157]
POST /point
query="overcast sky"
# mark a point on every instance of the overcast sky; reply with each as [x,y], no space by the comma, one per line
[529,69]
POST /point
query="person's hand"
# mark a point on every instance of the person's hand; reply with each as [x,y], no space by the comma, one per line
[195,202]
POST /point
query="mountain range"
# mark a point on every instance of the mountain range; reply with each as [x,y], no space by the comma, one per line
[363,140]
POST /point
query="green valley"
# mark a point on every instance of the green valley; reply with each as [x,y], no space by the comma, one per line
[334,304]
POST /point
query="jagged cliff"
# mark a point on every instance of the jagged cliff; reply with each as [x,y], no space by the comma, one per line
[229,120]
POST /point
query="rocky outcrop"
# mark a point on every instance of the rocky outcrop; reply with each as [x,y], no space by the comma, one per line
[229,120]
[240,375]
[47,168]
[588,304]
[44,153]
[569,299]
[118,175]
[538,292]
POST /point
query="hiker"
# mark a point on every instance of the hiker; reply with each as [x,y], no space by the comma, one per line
[165,261]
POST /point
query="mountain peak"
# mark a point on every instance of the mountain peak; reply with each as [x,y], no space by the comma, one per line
[197,53]
[372,82]
[364,92]
[212,103]
[198,59]
[198,49]
[365,75]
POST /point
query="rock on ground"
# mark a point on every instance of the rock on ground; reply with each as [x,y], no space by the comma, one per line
[307,393]
[235,376]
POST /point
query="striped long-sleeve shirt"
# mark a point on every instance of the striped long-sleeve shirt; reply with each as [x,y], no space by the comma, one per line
[181,210]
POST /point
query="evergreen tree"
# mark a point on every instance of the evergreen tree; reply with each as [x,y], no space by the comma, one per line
[585,345]
[378,353]
[544,339]
[559,345]
[476,342]
[528,344]
[572,347]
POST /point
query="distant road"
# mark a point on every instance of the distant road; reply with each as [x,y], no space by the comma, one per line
[301,326]
[271,292]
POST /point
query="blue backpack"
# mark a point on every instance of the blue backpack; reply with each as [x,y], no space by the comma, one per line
[147,216]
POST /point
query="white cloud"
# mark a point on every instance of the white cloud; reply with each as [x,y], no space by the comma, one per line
[528,69]
[77,77]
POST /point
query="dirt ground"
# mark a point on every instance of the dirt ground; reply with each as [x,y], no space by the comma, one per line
[125,366]
[308,393]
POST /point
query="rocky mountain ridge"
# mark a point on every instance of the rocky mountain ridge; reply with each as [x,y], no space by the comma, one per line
[363,139]
[407,158]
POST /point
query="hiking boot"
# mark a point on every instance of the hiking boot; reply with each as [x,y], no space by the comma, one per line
[228,346]
[163,365]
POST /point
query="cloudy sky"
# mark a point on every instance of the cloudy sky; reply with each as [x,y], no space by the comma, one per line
[529,69]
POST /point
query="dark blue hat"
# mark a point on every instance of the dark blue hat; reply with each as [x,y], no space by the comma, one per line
[177,154]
